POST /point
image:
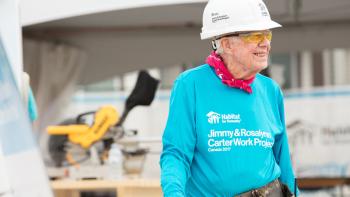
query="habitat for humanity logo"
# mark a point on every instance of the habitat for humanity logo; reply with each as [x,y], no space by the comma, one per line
[214,118]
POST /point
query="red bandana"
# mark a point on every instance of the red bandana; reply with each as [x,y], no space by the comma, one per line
[222,72]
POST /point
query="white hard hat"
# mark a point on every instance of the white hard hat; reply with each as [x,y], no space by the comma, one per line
[222,17]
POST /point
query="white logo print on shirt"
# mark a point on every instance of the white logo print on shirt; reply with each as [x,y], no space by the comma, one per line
[213,117]
[216,118]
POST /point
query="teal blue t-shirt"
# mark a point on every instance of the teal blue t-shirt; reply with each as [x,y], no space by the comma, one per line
[221,141]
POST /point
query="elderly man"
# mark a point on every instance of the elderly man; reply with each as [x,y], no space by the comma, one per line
[225,134]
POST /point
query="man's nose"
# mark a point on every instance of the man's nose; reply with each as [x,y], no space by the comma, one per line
[265,43]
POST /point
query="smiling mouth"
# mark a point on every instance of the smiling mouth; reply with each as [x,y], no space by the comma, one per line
[260,54]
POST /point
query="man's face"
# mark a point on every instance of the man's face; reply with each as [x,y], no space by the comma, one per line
[251,56]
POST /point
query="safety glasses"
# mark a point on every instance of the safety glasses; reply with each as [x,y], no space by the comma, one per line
[254,37]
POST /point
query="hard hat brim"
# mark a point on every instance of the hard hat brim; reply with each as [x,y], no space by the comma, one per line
[248,27]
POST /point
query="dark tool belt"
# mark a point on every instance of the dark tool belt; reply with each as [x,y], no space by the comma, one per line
[272,189]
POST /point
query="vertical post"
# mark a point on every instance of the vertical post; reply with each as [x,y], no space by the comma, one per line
[339,66]
[306,69]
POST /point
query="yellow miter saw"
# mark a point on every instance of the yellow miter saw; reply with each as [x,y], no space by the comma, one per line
[84,135]
[74,141]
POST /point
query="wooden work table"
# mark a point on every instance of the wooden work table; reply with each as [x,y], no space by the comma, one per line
[151,187]
[322,182]
[123,188]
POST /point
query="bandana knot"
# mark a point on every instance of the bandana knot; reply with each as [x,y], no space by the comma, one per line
[215,61]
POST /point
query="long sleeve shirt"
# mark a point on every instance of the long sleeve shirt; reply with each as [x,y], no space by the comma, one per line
[222,141]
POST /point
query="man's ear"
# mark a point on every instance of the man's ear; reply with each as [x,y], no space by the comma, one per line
[226,45]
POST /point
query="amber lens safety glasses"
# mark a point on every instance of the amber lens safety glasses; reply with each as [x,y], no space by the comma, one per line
[254,37]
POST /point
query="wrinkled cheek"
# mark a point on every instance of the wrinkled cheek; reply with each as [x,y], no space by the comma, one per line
[246,61]
[250,63]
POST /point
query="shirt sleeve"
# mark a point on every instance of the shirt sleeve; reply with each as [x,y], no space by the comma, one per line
[281,151]
[179,140]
